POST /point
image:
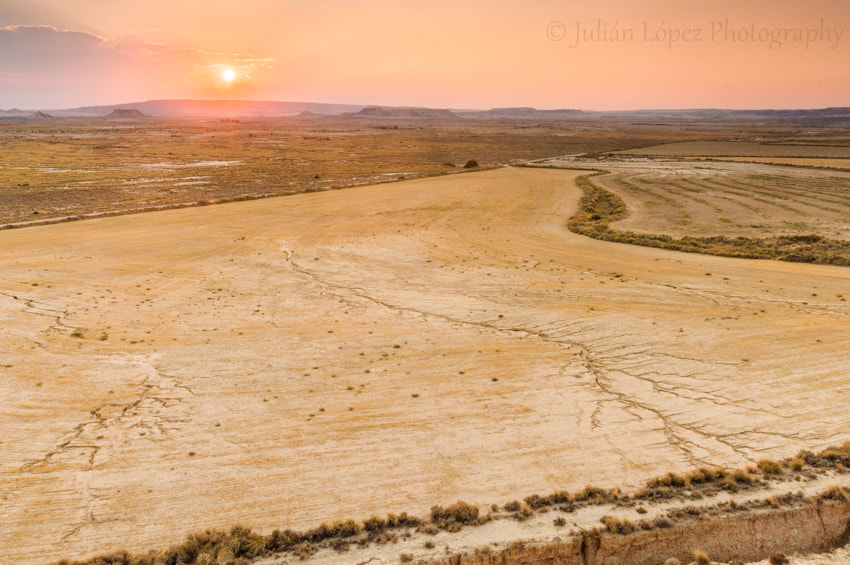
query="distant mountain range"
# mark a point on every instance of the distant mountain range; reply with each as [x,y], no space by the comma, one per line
[255,109]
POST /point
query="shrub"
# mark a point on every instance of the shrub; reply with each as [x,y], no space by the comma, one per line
[405,521]
[593,494]
[836,493]
[374,524]
[513,506]
[560,522]
[796,464]
[617,525]
[701,558]
[769,467]
[459,513]
[346,529]
[471,164]
[281,541]
[778,559]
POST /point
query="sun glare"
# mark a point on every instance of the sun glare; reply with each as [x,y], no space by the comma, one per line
[228,75]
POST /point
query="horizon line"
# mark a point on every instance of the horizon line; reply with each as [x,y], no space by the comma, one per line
[127,105]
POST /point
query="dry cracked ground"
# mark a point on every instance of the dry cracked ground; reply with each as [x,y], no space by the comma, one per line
[283,362]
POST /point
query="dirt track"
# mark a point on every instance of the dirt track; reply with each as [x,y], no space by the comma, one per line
[288,361]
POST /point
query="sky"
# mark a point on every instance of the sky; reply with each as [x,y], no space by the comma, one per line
[583,54]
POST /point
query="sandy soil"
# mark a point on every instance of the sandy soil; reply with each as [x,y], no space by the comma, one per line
[837,557]
[289,361]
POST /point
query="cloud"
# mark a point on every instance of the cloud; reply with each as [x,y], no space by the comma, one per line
[44,67]
[35,49]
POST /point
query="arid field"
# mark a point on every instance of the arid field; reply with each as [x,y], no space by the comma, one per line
[686,198]
[796,147]
[288,361]
[55,169]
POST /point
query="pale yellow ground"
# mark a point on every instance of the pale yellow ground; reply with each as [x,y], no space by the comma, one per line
[829,163]
[742,149]
[249,371]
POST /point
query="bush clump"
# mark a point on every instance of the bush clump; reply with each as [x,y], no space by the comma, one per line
[622,526]
[769,467]
[459,513]
[836,493]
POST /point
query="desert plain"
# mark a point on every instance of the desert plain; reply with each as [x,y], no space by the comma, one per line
[289,361]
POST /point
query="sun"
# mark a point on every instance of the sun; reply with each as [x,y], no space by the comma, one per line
[228,75]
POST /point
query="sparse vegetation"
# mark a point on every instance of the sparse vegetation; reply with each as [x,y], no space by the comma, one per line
[241,543]
[248,383]
[621,526]
[66,169]
[599,207]
[452,517]
[769,467]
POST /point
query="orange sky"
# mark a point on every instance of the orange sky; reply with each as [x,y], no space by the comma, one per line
[438,53]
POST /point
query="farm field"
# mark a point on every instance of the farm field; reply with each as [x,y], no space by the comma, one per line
[71,168]
[802,148]
[288,361]
[686,198]
[804,162]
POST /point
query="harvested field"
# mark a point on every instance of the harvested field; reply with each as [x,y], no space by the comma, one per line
[743,149]
[681,198]
[817,163]
[285,362]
